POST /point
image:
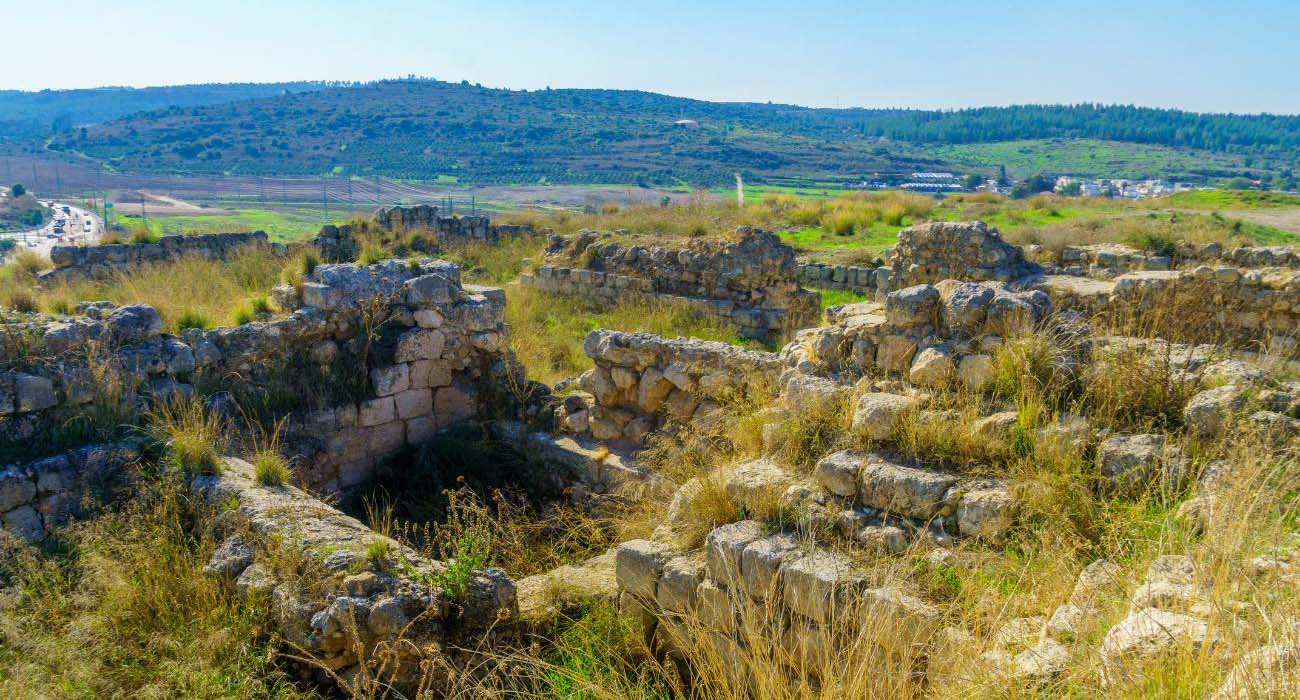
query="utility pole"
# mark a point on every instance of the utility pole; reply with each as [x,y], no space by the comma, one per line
[740,191]
[325,202]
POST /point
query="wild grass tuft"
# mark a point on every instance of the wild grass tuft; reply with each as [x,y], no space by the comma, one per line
[191,436]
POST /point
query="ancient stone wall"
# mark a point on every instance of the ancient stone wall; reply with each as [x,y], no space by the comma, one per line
[38,496]
[643,380]
[933,335]
[1238,303]
[102,260]
[339,243]
[851,278]
[370,358]
[750,279]
[426,217]
[1112,259]
[964,250]
[375,596]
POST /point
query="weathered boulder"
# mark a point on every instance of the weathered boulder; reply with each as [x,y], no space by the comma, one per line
[877,415]
[1146,634]
[1132,463]
[896,488]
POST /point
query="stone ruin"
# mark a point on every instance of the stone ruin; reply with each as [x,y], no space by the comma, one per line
[335,242]
[441,360]
[439,356]
[928,253]
[338,243]
[749,279]
[100,261]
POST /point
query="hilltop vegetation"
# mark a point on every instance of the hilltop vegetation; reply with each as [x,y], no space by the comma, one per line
[426,129]
[40,113]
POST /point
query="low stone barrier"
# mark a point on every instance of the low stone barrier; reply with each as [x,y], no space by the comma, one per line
[378,603]
[744,571]
[750,280]
[642,380]
[850,278]
[102,260]
[1110,260]
[1238,304]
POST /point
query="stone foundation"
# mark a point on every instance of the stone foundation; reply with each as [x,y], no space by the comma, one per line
[426,353]
[642,381]
[749,280]
[102,260]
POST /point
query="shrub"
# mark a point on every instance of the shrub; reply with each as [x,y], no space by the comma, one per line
[191,437]
[193,319]
[270,468]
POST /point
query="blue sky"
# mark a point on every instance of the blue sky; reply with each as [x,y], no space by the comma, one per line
[1203,55]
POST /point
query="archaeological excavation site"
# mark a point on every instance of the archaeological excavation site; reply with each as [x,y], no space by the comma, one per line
[444,456]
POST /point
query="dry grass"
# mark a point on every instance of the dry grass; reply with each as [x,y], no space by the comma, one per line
[546,331]
[122,609]
[186,292]
[1153,233]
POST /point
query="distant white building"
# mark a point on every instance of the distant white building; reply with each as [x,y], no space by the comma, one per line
[687,124]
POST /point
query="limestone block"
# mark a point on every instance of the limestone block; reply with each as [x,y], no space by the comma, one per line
[817,585]
[676,588]
[414,402]
[391,379]
[638,564]
[24,522]
[452,405]
[838,473]
[724,548]
[376,411]
[419,344]
[909,491]
[16,488]
[986,512]
[932,367]
[1145,635]
[33,393]
[895,352]
[877,415]
[715,607]
[975,371]
[760,563]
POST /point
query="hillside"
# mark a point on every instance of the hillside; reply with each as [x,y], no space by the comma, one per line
[425,130]
[26,114]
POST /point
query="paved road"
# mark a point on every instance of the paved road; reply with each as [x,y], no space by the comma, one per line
[76,226]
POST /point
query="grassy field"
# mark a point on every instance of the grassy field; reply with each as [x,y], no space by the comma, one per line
[1089,158]
[282,224]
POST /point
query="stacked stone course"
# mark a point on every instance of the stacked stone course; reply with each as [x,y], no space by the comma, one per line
[38,496]
[1109,260]
[750,279]
[643,380]
[442,353]
[102,260]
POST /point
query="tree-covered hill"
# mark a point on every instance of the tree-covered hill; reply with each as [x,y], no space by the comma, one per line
[47,111]
[427,129]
